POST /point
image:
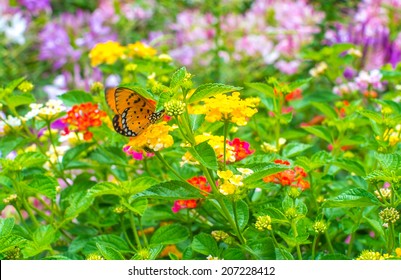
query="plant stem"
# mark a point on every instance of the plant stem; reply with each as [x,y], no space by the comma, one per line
[350,245]
[314,246]
[225,144]
[161,158]
[326,234]
[134,231]
[145,240]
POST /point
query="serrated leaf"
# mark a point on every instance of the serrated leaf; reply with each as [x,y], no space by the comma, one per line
[9,143]
[30,159]
[233,254]
[74,97]
[294,149]
[6,226]
[41,240]
[171,234]
[207,90]
[172,190]
[44,185]
[10,242]
[390,161]
[178,77]
[205,154]
[356,197]
[109,253]
[79,202]
[104,188]
[263,88]
[379,175]
[138,185]
[205,244]
[110,240]
[164,97]
[319,131]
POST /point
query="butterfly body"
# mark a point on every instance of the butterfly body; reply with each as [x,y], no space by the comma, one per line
[133,112]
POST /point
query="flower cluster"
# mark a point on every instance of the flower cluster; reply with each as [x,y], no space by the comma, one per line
[263,223]
[81,117]
[137,155]
[241,150]
[230,183]
[229,108]
[389,215]
[48,111]
[110,51]
[370,255]
[156,137]
[290,177]
[201,183]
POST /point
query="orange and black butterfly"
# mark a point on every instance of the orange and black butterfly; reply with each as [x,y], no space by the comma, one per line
[134,113]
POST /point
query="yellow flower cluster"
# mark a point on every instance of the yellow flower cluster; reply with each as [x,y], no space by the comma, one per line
[156,137]
[263,223]
[217,143]
[229,108]
[392,135]
[139,49]
[229,183]
[370,255]
[109,52]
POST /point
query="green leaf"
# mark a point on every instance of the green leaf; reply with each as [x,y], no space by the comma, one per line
[11,241]
[109,156]
[326,109]
[104,188]
[74,97]
[79,202]
[178,77]
[356,197]
[294,149]
[138,185]
[15,83]
[30,159]
[379,175]
[171,234]
[196,121]
[377,226]
[241,215]
[283,254]
[20,99]
[390,161]
[233,254]
[350,165]
[9,143]
[263,88]
[109,240]
[6,226]
[172,190]
[109,253]
[298,83]
[320,131]
[72,154]
[45,185]
[262,249]
[143,92]
[138,206]
[371,115]
[41,240]
[205,244]
[270,170]
[207,90]
[205,154]
[165,96]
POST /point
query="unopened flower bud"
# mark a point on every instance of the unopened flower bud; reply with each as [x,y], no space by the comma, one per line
[174,107]
[263,223]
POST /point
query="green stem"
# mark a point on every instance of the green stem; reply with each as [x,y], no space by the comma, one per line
[134,231]
[145,240]
[28,209]
[161,158]
[390,239]
[326,234]
[350,245]
[314,246]
[294,228]
[126,234]
[225,144]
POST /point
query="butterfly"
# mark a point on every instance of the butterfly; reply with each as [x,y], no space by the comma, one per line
[133,112]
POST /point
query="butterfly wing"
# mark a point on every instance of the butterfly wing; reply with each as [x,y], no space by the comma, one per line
[134,112]
[111,99]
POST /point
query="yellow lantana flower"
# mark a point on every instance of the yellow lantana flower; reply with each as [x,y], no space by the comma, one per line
[107,52]
[156,137]
[139,49]
[229,108]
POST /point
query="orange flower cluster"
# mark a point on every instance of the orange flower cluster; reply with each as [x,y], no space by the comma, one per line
[83,116]
[291,177]
[241,148]
[199,182]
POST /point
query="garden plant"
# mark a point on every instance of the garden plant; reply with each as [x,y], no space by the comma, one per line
[235,130]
